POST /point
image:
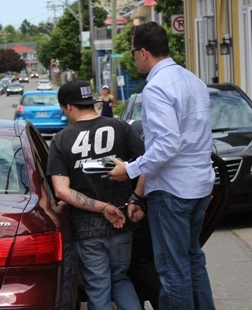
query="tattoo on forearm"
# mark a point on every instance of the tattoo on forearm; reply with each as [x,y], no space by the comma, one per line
[83,199]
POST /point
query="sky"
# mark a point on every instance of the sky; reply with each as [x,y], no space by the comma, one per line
[14,12]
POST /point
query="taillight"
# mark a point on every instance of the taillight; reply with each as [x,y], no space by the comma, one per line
[20,109]
[5,246]
[33,249]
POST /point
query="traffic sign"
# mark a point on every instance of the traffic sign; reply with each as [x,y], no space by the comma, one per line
[116,55]
[120,80]
[177,22]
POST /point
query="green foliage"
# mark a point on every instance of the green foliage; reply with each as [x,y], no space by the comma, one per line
[169,8]
[123,45]
[117,110]
[85,72]
[44,51]
[65,44]
[176,41]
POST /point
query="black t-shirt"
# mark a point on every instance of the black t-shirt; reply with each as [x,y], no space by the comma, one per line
[86,141]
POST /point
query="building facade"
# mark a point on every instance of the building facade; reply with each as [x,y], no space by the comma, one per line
[218,41]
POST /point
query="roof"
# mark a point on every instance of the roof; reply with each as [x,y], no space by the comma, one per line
[22,49]
[36,92]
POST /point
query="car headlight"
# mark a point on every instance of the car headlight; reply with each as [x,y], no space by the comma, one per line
[8,89]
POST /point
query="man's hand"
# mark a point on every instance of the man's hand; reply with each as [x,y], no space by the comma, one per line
[114,216]
[135,213]
[119,173]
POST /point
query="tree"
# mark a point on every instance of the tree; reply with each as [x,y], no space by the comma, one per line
[65,44]
[11,61]
[25,27]
[176,41]
[43,50]
[123,45]
[85,72]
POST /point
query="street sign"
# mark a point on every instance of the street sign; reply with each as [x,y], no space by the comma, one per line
[116,55]
[120,80]
[177,22]
[106,75]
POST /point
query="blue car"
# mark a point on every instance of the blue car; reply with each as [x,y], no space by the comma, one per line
[42,109]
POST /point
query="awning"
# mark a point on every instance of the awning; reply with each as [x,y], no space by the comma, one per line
[120,20]
[141,12]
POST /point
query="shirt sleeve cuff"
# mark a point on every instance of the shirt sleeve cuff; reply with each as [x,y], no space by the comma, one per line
[133,170]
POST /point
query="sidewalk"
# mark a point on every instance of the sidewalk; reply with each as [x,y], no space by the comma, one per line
[229,264]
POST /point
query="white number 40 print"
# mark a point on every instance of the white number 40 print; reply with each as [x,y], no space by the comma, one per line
[103,142]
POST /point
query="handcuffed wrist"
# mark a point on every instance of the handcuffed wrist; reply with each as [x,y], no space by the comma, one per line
[104,207]
[137,200]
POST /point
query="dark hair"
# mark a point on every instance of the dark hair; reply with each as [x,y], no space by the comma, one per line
[152,37]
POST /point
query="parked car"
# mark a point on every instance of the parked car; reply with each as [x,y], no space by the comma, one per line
[44,85]
[23,78]
[34,75]
[11,77]
[231,115]
[42,109]
[14,88]
[2,88]
[30,236]
[6,82]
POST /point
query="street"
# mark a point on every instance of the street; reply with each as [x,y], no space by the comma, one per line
[228,251]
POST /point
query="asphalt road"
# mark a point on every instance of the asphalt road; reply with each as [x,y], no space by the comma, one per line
[228,251]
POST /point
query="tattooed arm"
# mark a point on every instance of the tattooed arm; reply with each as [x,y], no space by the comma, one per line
[64,192]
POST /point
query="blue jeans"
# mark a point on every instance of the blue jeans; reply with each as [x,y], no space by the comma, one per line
[104,266]
[175,225]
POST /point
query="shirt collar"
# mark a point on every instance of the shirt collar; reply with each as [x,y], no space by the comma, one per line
[162,63]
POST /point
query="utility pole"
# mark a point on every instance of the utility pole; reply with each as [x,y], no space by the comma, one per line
[91,26]
[114,60]
[4,36]
[80,19]
[54,7]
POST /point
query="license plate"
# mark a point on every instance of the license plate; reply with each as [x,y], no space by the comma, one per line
[42,114]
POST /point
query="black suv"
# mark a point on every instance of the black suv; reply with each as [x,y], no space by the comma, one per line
[231,116]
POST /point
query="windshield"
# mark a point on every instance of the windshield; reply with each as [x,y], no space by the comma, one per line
[229,110]
[44,99]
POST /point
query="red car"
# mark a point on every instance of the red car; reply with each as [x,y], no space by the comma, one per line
[30,237]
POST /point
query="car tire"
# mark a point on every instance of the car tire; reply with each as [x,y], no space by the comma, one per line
[7,95]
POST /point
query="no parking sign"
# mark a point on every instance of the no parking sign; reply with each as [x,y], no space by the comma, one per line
[177,24]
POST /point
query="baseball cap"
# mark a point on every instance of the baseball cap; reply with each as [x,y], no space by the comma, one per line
[105,87]
[76,92]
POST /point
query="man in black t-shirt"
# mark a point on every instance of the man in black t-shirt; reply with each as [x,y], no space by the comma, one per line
[102,230]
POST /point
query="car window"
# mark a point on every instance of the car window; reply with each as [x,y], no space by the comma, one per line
[40,99]
[41,154]
[44,82]
[229,110]
[13,176]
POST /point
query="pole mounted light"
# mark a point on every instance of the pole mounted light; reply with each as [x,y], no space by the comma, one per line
[225,46]
[211,47]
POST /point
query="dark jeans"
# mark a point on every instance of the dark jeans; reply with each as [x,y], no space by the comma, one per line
[142,270]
